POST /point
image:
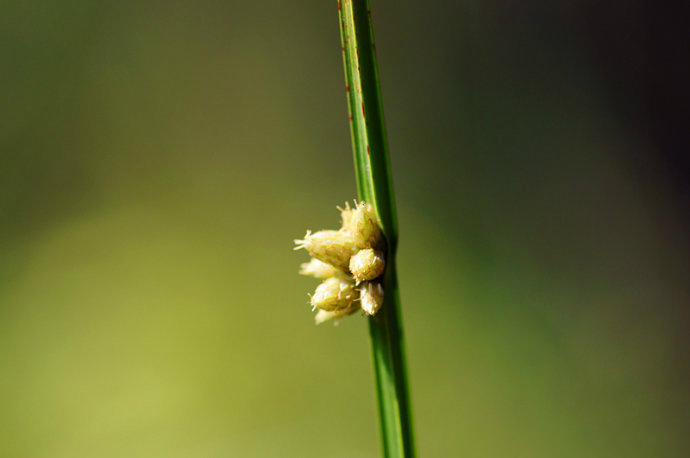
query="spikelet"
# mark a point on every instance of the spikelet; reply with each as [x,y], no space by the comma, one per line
[364,228]
[319,269]
[332,247]
[371,296]
[334,294]
[367,264]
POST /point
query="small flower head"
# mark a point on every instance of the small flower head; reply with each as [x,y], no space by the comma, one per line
[364,228]
[319,269]
[371,296]
[367,264]
[343,258]
[332,247]
[334,294]
[323,315]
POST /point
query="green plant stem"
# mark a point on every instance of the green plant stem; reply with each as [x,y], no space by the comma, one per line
[375,187]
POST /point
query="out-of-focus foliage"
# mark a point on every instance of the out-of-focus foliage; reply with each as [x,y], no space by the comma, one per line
[158,158]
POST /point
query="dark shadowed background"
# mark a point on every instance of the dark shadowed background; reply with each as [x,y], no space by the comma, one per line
[158,158]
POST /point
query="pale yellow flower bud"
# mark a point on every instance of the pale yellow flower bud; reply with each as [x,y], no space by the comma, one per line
[323,315]
[364,227]
[319,269]
[332,247]
[367,264]
[334,294]
[371,296]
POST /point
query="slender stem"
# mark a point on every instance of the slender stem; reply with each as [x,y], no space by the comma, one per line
[375,187]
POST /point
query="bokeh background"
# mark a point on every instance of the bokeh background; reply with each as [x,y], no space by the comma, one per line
[158,159]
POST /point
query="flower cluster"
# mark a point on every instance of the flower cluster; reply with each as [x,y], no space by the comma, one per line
[348,261]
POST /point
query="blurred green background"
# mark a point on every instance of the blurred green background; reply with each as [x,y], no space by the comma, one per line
[158,159]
